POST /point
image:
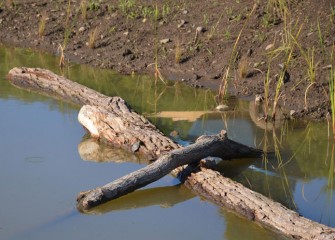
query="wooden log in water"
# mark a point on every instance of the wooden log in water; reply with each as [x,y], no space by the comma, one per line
[215,146]
[130,128]
[206,182]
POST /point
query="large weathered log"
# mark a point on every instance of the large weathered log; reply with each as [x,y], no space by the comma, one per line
[256,207]
[206,182]
[215,146]
[130,128]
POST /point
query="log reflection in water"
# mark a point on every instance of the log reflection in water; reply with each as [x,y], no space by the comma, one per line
[92,150]
[161,196]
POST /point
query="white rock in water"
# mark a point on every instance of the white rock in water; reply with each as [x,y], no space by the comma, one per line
[222,107]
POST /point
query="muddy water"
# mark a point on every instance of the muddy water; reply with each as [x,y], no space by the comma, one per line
[44,164]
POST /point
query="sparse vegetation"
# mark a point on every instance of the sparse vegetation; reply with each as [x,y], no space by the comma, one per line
[41,25]
[332,90]
[224,82]
[60,50]
[92,38]
[83,9]
[127,7]
[93,5]
[243,68]
[228,37]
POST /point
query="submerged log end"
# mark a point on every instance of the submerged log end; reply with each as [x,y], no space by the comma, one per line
[89,199]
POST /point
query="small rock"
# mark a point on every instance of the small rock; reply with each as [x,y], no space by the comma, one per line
[249,52]
[135,146]
[194,77]
[126,33]
[144,20]
[81,29]
[268,47]
[256,64]
[185,12]
[126,52]
[200,29]
[182,23]
[130,57]
[258,99]
[222,108]
[292,113]
[165,40]
[215,76]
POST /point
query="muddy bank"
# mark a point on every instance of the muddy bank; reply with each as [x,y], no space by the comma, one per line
[266,45]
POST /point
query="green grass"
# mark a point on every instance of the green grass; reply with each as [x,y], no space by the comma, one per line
[321,40]
[133,10]
[83,9]
[331,173]
[226,76]
[178,52]
[213,29]
[69,25]
[93,5]
[127,7]
[332,91]
[279,84]
[92,38]
[41,26]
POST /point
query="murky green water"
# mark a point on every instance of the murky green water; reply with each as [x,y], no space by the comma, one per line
[43,167]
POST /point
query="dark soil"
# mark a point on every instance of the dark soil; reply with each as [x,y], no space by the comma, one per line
[192,41]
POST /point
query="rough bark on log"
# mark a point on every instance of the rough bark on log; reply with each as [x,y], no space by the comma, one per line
[256,207]
[215,146]
[206,182]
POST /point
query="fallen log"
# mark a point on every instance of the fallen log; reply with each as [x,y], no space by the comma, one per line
[206,182]
[218,146]
[139,129]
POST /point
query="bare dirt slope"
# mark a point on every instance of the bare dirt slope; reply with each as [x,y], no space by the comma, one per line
[265,45]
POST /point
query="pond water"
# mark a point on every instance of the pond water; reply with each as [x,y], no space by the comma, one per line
[43,166]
